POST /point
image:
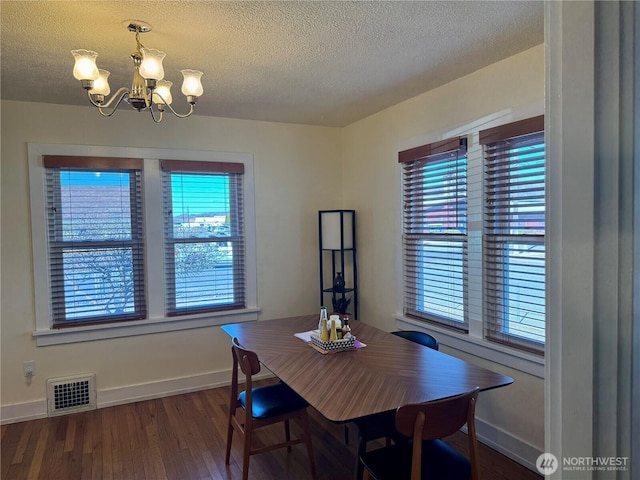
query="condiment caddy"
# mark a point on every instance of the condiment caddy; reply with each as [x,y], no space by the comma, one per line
[333,334]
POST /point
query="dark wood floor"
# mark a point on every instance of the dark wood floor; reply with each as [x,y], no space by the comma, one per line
[183,438]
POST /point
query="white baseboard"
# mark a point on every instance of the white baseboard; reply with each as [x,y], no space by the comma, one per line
[110,397]
[21,412]
[507,444]
[163,388]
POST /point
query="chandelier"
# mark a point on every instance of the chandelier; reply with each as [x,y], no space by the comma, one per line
[149,90]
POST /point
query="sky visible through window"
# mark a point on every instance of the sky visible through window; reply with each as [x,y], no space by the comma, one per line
[199,194]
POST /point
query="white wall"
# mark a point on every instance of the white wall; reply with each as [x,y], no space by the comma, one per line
[295,167]
[371,181]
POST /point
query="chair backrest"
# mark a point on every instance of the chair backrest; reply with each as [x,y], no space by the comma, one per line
[250,365]
[437,419]
[418,337]
[248,360]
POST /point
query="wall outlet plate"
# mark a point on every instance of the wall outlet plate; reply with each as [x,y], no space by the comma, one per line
[29,368]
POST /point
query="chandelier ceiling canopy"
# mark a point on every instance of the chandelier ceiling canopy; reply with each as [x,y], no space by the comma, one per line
[149,90]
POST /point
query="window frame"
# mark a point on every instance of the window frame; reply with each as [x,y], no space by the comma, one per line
[235,173]
[472,343]
[414,162]
[55,168]
[495,321]
[156,320]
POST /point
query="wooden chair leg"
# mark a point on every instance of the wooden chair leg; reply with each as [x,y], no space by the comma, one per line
[246,454]
[362,448]
[229,440]
[366,475]
[306,430]
[287,434]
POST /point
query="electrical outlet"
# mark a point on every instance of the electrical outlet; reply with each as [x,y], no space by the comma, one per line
[29,368]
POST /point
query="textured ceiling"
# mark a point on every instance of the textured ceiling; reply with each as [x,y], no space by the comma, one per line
[311,62]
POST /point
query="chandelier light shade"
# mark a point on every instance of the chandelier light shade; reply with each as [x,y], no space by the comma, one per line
[148,87]
[85,67]
[101,84]
[151,66]
[162,95]
[191,86]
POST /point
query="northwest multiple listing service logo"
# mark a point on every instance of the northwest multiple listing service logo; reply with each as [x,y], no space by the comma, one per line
[547,464]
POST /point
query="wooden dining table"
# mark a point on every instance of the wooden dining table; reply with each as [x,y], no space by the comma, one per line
[390,371]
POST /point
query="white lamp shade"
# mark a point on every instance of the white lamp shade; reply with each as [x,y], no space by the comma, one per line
[85,67]
[330,225]
[162,93]
[192,86]
[151,67]
[101,84]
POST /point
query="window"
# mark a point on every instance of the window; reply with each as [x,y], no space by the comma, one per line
[96,252]
[435,232]
[204,236]
[514,229]
[126,244]
[473,238]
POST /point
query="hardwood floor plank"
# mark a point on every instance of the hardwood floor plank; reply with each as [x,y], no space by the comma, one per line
[156,468]
[36,463]
[75,454]
[86,466]
[95,444]
[21,447]
[30,451]
[183,437]
[70,436]
[107,447]
[93,437]
[54,460]
[134,444]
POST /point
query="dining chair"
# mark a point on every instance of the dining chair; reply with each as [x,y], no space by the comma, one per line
[382,424]
[418,337]
[426,456]
[260,406]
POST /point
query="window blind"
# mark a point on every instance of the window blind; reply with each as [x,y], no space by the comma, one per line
[514,229]
[204,236]
[95,239]
[435,232]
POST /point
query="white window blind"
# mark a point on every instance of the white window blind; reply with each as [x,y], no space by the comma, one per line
[204,236]
[514,230]
[435,232]
[95,239]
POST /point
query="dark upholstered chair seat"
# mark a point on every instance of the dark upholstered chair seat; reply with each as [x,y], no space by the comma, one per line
[439,462]
[273,400]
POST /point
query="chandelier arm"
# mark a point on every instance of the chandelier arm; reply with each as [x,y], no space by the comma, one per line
[156,120]
[119,95]
[171,108]
[184,115]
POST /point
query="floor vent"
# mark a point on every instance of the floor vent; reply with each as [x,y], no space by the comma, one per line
[71,394]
